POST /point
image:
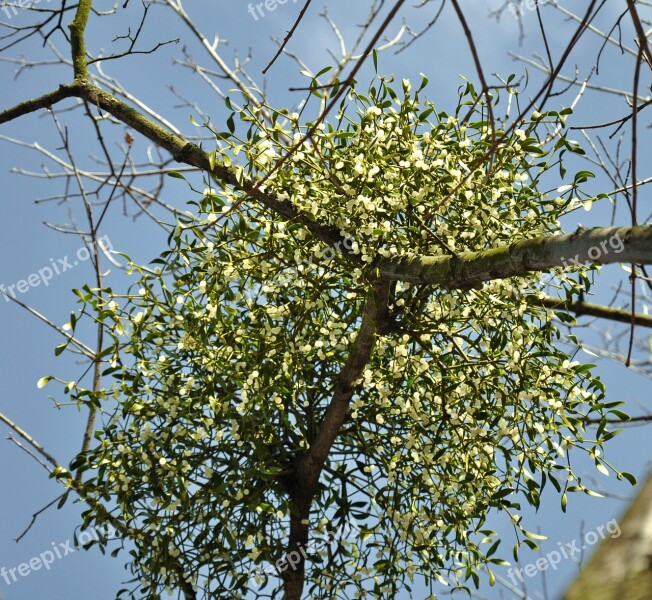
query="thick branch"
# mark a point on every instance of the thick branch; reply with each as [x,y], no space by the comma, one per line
[182,151]
[470,269]
[360,354]
[46,101]
[77,44]
[305,478]
[603,245]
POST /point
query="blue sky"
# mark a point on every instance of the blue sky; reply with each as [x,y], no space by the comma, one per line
[26,347]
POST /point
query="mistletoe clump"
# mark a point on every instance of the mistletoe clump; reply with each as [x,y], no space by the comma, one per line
[229,349]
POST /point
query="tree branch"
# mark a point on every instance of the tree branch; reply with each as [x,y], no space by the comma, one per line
[374,316]
[182,151]
[640,31]
[46,101]
[592,310]
[77,45]
[303,483]
[468,270]
[64,476]
[471,269]
[639,419]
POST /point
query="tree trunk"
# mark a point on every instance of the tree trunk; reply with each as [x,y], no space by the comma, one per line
[621,566]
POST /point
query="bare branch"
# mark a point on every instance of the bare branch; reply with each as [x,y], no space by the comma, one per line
[288,36]
[581,308]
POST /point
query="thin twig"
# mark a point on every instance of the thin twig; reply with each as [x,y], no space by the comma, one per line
[288,36]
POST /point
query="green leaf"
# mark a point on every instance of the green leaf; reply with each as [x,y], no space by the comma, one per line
[583,176]
[629,477]
[621,415]
[230,124]
[493,548]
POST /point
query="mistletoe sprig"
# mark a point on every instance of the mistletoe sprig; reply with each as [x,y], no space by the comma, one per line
[227,350]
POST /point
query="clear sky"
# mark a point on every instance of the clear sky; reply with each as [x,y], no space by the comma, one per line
[27,344]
